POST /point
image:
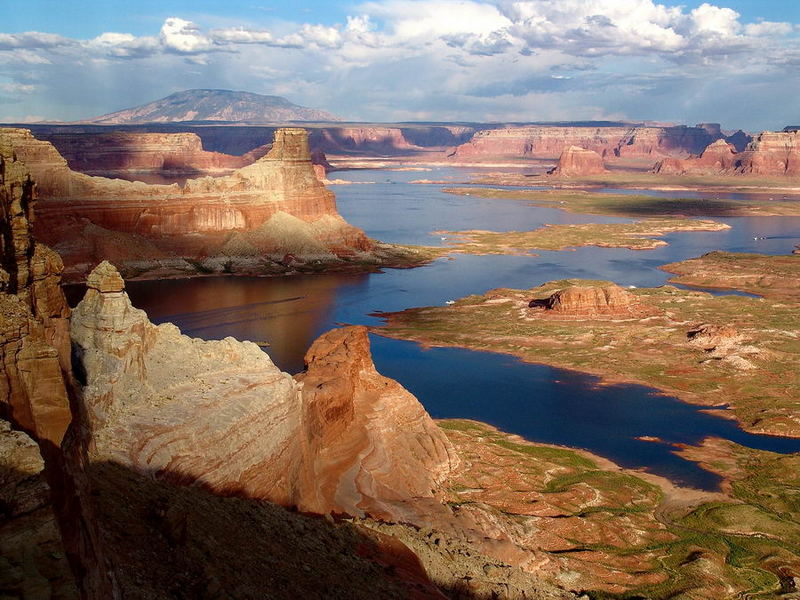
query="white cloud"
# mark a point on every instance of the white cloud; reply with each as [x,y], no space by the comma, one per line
[444,59]
[184,36]
[768,28]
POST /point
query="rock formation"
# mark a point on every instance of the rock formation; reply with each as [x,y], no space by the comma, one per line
[723,342]
[577,301]
[344,439]
[719,157]
[770,154]
[609,142]
[372,446]
[575,162]
[239,222]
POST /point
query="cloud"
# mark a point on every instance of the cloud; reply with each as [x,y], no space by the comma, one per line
[182,36]
[436,59]
[33,40]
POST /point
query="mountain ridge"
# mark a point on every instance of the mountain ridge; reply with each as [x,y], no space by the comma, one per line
[215,105]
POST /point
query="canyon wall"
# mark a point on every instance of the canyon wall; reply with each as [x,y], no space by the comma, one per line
[249,221]
[608,142]
[769,154]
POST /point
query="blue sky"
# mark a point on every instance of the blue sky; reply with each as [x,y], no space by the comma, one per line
[732,61]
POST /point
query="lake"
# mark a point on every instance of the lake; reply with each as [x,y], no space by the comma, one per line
[538,402]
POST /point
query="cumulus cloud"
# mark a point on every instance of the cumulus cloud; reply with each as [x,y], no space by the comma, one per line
[434,59]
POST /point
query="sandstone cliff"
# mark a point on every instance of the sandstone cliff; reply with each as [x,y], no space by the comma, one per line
[769,154]
[576,162]
[590,302]
[235,223]
[608,142]
[719,157]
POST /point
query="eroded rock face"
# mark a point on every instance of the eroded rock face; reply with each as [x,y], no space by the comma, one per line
[576,161]
[34,340]
[608,142]
[32,555]
[590,301]
[771,153]
[372,446]
[344,439]
[167,229]
[718,158]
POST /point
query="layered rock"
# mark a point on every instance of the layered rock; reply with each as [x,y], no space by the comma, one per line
[168,229]
[580,301]
[608,142]
[575,162]
[343,439]
[36,397]
[719,157]
[372,446]
[770,154]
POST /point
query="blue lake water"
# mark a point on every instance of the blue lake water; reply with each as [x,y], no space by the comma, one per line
[538,402]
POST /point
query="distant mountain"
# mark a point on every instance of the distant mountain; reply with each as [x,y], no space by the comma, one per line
[215,105]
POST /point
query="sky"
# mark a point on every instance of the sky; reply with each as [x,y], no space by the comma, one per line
[730,61]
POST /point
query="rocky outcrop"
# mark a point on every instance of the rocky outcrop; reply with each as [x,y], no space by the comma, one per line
[723,342]
[608,142]
[342,438]
[235,223]
[718,158]
[37,397]
[33,562]
[771,153]
[371,445]
[122,151]
[577,301]
[575,162]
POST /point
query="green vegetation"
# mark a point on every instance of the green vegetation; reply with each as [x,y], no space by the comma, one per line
[626,537]
[639,205]
[769,276]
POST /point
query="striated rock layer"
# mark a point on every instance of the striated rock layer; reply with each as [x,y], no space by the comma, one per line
[577,301]
[240,222]
[608,142]
[769,154]
[340,438]
[576,162]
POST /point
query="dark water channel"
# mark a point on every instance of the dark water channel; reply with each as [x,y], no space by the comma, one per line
[538,402]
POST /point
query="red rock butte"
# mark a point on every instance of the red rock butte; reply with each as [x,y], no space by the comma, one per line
[575,162]
[608,301]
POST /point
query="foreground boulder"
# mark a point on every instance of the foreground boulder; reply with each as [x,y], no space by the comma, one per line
[220,414]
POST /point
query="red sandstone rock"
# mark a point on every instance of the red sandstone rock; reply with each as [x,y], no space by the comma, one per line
[372,446]
[575,162]
[771,153]
[148,227]
[590,301]
[719,157]
[608,142]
